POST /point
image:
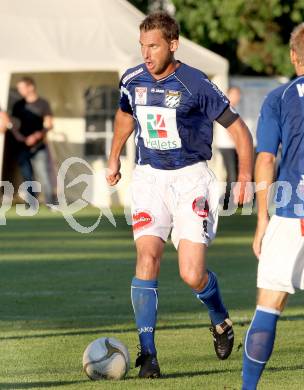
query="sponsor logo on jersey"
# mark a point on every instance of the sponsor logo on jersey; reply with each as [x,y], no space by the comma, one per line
[300,88]
[129,76]
[200,206]
[173,98]
[158,127]
[141,95]
[157,90]
[142,219]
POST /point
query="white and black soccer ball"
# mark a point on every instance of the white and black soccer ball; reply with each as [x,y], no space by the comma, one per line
[106,358]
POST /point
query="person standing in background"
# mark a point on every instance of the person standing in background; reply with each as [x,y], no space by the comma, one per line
[34,117]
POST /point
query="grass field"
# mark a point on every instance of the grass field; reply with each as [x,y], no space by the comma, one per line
[60,289]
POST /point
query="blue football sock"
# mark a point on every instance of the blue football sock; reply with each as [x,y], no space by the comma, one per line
[258,345]
[211,297]
[144,297]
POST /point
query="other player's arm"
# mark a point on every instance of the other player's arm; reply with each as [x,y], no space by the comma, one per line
[123,128]
[244,148]
[264,176]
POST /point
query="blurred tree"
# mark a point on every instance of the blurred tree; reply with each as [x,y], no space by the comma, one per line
[252,34]
[142,5]
[147,6]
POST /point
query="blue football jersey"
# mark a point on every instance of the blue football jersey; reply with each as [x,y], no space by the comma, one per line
[281,122]
[174,115]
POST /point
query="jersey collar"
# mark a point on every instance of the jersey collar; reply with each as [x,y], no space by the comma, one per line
[167,77]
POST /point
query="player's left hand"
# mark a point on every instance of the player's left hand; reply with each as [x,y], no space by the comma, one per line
[259,234]
[113,172]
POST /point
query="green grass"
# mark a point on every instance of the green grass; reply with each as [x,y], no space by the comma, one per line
[60,289]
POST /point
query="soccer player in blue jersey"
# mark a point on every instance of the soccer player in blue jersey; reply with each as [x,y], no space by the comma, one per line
[172,107]
[279,241]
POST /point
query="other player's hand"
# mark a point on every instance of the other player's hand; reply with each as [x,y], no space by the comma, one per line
[113,174]
[243,190]
[259,235]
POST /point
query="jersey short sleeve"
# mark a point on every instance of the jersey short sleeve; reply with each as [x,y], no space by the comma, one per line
[45,108]
[269,129]
[124,101]
[212,100]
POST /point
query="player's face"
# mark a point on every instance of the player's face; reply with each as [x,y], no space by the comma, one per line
[157,52]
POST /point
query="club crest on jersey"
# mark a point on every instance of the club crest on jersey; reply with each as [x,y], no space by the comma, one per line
[201,207]
[172,98]
[141,95]
[142,219]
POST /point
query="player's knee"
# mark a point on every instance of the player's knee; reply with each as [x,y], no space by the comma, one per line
[194,279]
[147,265]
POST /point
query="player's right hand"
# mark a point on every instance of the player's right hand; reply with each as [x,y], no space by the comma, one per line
[113,173]
[259,235]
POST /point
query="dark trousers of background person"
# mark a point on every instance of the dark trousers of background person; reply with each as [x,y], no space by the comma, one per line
[231,164]
[35,162]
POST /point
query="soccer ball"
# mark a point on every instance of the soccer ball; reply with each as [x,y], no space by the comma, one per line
[106,358]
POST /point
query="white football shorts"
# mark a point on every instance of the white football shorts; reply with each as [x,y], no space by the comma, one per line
[183,200]
[281,262]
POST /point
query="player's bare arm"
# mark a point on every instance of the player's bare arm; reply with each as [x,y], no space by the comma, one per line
[264,176]
[123,128]
[244,147]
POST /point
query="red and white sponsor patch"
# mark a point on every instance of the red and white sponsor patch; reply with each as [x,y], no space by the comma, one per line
[302,226]
[142,219]
[200,206]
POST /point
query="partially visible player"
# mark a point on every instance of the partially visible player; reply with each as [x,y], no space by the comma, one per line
[278,242]
[5,123]
[173,106]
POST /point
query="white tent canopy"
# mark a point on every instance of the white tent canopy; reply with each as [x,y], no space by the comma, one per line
[81,35]
[73,35]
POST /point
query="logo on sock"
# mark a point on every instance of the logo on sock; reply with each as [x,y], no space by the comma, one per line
[145,329]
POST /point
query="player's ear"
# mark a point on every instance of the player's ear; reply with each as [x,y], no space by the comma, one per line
[293,57]
[174,45]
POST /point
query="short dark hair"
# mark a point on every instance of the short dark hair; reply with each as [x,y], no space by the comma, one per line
[27,80]
[161,20]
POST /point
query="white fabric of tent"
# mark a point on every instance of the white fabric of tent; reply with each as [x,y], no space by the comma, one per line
[81,35]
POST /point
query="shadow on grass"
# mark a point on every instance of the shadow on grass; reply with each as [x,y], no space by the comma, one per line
[31,385]
[297,317]
[196,373]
